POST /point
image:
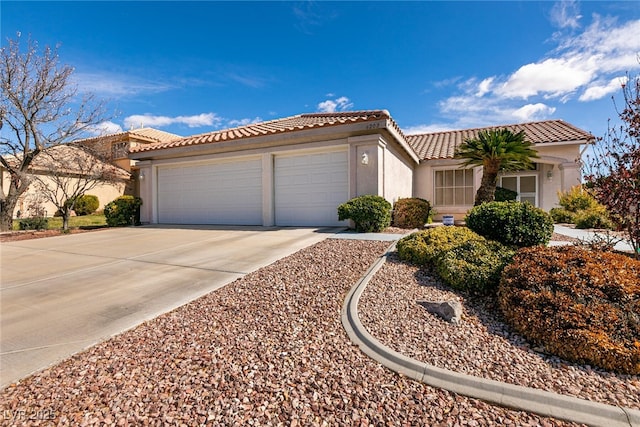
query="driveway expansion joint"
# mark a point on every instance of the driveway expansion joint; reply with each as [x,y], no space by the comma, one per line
[537,401]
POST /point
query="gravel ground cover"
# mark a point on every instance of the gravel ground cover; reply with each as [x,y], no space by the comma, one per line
[267,349]
[482,345]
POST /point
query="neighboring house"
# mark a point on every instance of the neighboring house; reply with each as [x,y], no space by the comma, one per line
[118,145]
[295,171]
[114,147]
[64,169]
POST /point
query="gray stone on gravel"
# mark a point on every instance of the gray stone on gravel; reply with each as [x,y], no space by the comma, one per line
[451,310]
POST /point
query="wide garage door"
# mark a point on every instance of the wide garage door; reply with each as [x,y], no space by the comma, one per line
[309,188]
[212,193]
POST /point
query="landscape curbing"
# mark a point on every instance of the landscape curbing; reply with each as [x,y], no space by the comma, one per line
[541,402]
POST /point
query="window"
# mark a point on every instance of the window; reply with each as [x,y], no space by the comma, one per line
[119,150]
[525,185]
[454,187]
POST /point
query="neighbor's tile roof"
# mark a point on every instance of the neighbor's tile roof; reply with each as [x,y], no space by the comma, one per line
[442,145]
[288,124]
[149,135]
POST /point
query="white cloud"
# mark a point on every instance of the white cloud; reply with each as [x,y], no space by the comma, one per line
[484,86]
[432,128]
[148,120]
[598,90]
[584,66]
[553,77]
[243,122]
[566,14]
[605,47]
[105,128]
[117,85]
[533,112]
[247,80]
[332,105]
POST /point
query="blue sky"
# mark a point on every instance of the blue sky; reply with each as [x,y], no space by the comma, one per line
[193,67]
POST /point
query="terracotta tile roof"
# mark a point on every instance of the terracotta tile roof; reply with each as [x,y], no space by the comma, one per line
[279,126]
[149,135]
[75,161]
[442,145]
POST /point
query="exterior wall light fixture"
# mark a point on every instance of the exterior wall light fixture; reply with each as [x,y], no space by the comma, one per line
[365,159]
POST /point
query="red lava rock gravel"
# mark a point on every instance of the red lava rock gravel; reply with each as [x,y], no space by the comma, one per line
[482,345]
[267,349]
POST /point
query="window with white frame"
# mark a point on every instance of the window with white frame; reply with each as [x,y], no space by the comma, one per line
[453,187]
[525,185]
[120,150]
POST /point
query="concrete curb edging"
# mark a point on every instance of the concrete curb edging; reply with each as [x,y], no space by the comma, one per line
[541,402]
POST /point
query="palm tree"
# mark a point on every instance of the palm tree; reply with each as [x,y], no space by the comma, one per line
[495,150]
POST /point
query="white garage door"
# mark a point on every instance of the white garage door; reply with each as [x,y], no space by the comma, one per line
[213,193]
[309,188]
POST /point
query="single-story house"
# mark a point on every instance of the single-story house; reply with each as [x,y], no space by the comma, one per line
[66,170]
[295,171]
[113,147]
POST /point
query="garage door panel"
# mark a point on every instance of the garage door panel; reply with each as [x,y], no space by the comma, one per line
[309,188]
[215,193]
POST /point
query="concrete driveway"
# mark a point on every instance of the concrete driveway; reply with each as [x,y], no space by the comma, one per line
[60,295]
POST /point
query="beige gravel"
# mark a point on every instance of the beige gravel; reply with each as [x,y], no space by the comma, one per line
[482,345]
[267,349]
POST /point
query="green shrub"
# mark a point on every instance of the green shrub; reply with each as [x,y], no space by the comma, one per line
[369,213]
[474,266]
[34,223]
[595,217]
[125,210]
[576,199]
[86,204]
[582,305]
[411,213]
[504,194]
[424,247]
[511,223]
[563,216]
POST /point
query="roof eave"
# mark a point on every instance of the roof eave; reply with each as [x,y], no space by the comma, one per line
[558,143]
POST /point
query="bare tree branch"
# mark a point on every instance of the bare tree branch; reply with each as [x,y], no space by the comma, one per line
[39,108]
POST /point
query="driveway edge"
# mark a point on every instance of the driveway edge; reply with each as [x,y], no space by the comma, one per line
[541,402]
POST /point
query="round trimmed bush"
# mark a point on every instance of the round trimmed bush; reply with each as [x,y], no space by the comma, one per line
[580,304]
[125,210]
[411,213]
[86,204]
[474,266]
[423,247]
[511,223]
[369,213]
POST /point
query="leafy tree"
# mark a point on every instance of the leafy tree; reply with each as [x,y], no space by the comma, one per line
[612,169]
[39,108]
[495,150]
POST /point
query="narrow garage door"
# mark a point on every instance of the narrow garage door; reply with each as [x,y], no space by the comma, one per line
[309,188]
[212,193]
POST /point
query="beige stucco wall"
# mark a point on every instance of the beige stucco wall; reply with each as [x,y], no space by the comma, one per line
[387,172]
[398,175]
[104,192]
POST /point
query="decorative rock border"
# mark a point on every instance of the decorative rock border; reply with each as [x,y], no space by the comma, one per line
[513,396]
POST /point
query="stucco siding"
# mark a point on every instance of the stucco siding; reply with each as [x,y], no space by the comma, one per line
[398,176]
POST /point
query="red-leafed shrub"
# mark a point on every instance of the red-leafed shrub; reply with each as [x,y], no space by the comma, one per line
[411,213]
[580,304]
